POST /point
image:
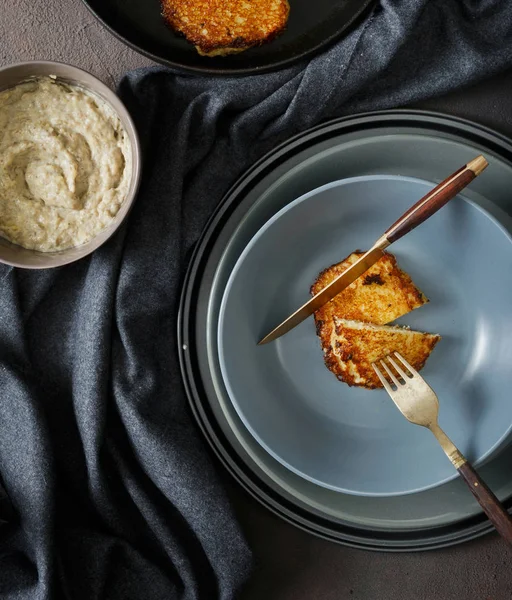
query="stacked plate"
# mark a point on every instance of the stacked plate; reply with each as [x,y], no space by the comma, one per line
[342,462]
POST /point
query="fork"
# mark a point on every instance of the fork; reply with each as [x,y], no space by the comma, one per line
[418,402]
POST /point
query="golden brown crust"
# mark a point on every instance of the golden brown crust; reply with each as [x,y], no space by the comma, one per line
[352,326]
[217,27]
[354,346]
[382,295]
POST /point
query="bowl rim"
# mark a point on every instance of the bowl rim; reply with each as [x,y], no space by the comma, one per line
[79,77]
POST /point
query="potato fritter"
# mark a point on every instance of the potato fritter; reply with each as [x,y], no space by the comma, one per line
[381,295]
[352,326]
[218,28]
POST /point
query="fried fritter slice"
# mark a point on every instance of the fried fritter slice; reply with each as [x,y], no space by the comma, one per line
[381,295]
[350,348]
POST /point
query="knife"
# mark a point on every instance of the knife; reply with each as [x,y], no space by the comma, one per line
[421,211]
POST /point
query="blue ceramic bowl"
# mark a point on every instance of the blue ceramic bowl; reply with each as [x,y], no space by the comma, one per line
[349,439]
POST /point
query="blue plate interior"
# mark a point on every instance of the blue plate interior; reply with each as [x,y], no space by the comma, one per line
[349,439]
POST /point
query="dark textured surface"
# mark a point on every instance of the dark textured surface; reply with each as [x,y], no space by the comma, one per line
[292,564]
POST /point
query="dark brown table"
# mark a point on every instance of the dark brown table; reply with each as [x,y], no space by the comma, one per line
[292,565]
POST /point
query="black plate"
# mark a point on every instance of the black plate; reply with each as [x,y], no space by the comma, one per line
[202,387]
[311,27]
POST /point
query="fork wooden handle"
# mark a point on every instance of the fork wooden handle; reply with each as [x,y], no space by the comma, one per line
[435,199]
[492,507]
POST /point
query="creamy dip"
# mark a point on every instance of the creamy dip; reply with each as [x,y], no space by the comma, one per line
[65,165]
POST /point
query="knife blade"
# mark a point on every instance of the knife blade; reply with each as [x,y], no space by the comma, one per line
[334,288]
[417,214]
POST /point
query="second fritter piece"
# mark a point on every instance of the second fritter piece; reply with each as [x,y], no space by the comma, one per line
[218,28]
[350,348]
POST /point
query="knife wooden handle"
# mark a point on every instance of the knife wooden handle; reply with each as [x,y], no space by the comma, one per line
[436,199]
[492,507]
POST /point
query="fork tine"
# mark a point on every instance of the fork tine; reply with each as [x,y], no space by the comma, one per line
[399,369]
[391,374]
[383,380]
[409,367]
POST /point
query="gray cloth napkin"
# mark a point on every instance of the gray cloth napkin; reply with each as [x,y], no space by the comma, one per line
[115,493]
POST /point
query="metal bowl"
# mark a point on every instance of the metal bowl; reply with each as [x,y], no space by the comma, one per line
[17,256]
